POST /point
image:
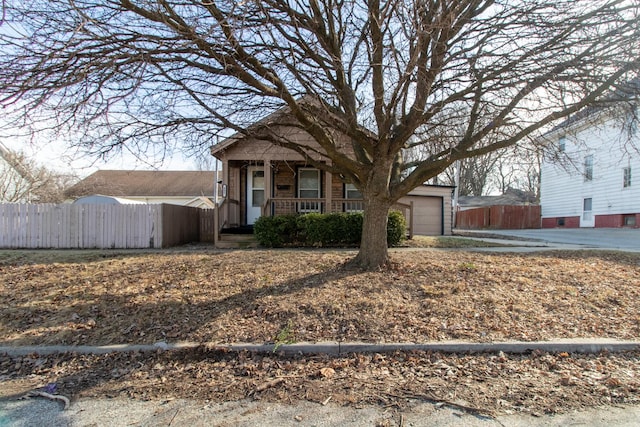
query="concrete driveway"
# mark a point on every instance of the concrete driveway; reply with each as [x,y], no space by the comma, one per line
[626,239]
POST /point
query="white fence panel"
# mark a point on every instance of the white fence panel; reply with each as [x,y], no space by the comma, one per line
[80,226]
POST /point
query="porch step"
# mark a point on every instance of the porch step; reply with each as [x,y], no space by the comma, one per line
[237,241]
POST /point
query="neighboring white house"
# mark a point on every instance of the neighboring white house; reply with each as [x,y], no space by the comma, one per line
[590,176]
[98,199]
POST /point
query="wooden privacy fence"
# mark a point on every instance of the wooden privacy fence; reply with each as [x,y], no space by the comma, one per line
[68,226]
[499,217]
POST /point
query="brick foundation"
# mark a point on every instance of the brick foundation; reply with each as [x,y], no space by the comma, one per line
[616,221]
[557,222]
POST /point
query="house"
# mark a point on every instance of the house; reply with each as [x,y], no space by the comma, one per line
[185,188]
[260,178]
[590,174]
[511,197]
[98,199]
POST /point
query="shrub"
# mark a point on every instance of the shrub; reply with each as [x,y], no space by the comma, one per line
[314,229]
[396,228]
[275,231]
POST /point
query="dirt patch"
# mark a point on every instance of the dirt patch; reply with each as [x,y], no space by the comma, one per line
[288,295]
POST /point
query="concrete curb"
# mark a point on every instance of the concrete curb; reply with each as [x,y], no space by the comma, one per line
[586,346]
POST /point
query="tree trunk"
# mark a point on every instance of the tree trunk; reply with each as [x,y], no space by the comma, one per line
[374,254]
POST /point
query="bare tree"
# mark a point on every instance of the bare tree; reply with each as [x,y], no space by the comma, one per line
[389,75]
[474,175]
[518,168]
[22,180]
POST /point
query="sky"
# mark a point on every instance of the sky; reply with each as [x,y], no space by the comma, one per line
[58,157]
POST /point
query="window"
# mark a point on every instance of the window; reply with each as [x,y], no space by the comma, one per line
[588,168]
[352,193]
[257,188]
[629,220]
[626,181]
[308,188]
[562,144]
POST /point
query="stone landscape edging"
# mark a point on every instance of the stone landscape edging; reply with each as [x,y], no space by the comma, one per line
[586,346]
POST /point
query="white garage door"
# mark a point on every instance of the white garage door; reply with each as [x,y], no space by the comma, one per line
[427,212]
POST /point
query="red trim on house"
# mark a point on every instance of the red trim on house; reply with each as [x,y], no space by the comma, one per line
[561,222]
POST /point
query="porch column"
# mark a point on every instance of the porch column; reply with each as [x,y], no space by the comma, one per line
[226,175]
[328,190]
[267,188]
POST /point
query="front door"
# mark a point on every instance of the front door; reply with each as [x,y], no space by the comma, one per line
[587,219]
[255,193]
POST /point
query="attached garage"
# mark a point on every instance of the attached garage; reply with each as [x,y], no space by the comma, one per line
[431,210]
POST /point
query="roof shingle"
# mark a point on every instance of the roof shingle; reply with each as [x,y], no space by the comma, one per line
[123,183]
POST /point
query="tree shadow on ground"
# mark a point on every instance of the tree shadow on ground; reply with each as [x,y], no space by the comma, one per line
[67,322]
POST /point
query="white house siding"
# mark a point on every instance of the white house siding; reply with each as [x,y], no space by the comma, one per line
[563,186]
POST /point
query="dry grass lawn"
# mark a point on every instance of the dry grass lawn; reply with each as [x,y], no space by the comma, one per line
[253,296]
[93,297]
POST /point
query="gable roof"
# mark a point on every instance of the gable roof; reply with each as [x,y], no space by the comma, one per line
[623,94]
[281,116]
[272,118]
[130,183]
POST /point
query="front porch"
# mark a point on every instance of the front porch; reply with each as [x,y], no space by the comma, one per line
[269,188]
[254,189]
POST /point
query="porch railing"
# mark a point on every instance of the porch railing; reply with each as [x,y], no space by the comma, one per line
[221,216]
[292,205]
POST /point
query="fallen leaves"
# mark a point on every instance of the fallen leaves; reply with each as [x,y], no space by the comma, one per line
[327,372]
[484,383]
[282,296]
[254,296]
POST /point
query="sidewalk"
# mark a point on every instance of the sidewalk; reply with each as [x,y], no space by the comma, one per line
[15,411]
[185,413]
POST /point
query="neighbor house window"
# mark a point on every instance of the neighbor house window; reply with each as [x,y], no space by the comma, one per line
[629,220]
[626,182]
[562,144]
[588,168]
